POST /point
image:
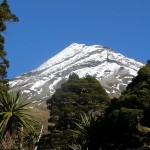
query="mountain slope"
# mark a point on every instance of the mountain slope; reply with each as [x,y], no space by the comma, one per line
[112,69]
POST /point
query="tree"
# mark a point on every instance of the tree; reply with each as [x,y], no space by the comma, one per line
[13,116]
[131,112]
[5,16]
[137,93]
[76,96]
[120,130]
[125,123]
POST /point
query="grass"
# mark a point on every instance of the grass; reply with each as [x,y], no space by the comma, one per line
[41,114]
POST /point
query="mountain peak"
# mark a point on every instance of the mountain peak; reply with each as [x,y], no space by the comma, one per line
[112,69]
[76,45]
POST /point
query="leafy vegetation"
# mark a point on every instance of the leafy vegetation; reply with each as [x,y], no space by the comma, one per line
[86,132]
[76,96]
[13,117]
[5,16]
[122,123]
[81,114]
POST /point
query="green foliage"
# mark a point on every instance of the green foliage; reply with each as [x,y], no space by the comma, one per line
[5,16]
[125,125]
[118,130]
[13,115]
[137,93]
[76,96]
[13,112]
[131,112]
[86,132]
[130,117]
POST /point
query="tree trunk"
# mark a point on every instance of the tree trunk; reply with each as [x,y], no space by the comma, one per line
[21,138]
[39,138]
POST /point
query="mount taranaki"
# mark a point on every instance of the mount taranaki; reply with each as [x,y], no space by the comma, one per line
[112,69]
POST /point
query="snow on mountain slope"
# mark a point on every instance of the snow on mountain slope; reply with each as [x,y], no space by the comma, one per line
[112,69]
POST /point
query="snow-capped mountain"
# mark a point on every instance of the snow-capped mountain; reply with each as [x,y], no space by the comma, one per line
[112,69]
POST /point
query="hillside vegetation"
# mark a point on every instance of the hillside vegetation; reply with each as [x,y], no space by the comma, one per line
[83,117]
[81,114]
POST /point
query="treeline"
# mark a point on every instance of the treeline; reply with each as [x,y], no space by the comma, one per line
[82,116]
[18,128]
[5,16]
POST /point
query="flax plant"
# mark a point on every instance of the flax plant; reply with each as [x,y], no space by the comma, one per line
[14,115]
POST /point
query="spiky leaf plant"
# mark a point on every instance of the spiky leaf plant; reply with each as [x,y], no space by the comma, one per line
[86,131]
[14,113]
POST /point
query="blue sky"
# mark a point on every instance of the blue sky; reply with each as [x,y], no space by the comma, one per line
[48,26]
